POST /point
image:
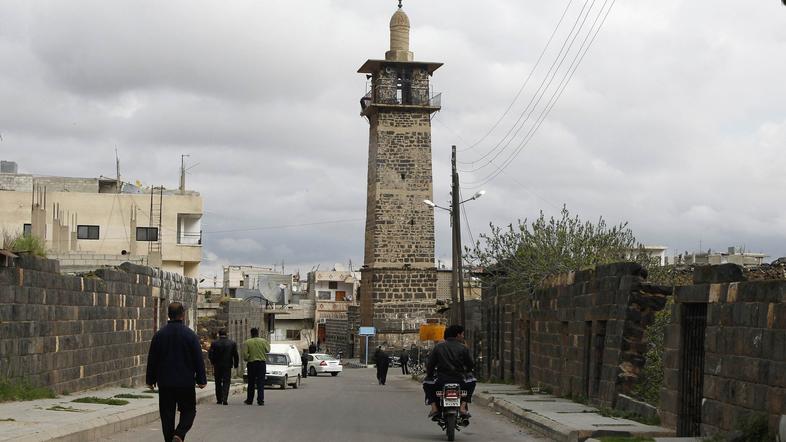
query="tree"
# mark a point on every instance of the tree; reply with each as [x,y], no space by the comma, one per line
[521,257]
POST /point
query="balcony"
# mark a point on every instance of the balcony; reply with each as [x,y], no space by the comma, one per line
[432,103]
[189,229]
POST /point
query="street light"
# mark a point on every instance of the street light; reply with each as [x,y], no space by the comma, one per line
[457,288]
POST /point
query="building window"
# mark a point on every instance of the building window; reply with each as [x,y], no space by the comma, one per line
[333,285]
[87,232]
[293,335]
[324,295]
[27,230]
[147,233]
[241,283]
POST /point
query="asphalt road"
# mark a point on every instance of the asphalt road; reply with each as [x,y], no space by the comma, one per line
[349,407]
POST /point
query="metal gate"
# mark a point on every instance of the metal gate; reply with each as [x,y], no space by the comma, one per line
[691,392]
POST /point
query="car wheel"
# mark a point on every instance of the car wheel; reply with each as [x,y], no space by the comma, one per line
[334,374]
[312,371]
[297,382]
[284,383]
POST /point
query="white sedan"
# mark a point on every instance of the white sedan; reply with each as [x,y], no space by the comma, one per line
[323,363]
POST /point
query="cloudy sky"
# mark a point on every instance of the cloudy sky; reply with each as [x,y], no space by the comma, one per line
[675,119]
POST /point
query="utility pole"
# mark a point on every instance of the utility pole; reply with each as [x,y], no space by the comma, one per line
[457,289]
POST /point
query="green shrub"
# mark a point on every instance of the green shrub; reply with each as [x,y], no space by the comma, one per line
[22,391]
[133,396]
[100,400]
[24,244]
[754,428]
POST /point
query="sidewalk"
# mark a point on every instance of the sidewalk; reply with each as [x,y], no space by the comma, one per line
[557,418]
[61,419]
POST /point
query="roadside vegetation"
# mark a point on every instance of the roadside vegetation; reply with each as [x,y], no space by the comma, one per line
[19,243]
[99,400]
[22,391]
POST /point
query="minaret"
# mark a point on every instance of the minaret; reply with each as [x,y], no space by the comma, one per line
[398,286]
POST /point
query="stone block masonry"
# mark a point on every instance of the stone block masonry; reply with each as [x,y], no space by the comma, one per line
[581,334]
[73,333]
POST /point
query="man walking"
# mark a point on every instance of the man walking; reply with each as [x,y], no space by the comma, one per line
[404,359]
[255,354]
[174,363]
[223,355]
[383,363]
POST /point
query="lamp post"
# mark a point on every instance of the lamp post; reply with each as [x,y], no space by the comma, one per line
[457,288]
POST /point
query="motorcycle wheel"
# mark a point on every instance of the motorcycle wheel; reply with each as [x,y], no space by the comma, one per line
[450,426]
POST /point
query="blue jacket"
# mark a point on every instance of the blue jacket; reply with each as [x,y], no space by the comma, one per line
[175,357]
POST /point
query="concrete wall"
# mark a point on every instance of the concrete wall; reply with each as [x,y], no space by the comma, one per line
[73,333]
[112,213]
[581,334]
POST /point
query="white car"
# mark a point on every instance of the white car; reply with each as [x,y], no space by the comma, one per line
[323,363]
[280,371]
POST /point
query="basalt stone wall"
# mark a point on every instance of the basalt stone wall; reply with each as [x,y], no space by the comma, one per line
[73,333]
[337,337]
[581,334]
[741,326]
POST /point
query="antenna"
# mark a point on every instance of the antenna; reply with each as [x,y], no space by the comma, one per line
[117,168]
[183,172]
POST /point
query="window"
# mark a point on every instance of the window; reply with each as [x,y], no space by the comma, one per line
[293,335]
[27,230]
[324,295]
[87,232]
[147,233]
[332,285]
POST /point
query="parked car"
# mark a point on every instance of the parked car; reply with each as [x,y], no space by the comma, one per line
[323,363]
[280,371]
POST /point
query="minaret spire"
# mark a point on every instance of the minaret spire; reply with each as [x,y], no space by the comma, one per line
[400,5]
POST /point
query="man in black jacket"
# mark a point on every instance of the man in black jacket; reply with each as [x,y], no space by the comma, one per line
[449,362]
[175,364]
[223,355]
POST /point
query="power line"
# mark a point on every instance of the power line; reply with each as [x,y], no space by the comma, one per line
[524,85]
[577,60]
[286,226]
[541,91]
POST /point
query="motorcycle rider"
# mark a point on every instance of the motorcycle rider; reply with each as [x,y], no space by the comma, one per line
[449,362]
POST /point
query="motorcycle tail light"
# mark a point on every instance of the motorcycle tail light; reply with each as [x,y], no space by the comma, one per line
[452,394]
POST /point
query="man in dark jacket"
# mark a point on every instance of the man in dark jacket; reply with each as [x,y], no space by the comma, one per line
[175,364]
[223,355]
[382,359]
[404,359]
[449,362]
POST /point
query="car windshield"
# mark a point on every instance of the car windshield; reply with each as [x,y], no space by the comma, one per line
[274,359]
[325,357]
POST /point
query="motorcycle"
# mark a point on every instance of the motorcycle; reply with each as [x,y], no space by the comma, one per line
[449,418]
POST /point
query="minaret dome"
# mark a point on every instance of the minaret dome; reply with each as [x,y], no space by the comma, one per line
[399,38]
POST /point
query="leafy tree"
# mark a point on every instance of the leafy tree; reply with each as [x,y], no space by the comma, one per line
[520,257]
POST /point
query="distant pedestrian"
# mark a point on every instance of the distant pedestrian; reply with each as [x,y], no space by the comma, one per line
[175,364]
[404,359]
[223,355]
[382,360]
[255,351]
[304,369]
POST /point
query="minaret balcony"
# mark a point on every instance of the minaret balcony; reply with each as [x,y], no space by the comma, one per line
[368,102]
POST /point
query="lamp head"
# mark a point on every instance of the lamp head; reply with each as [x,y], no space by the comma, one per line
[479,194]
[429,203]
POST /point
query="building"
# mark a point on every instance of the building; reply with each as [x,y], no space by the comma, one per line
[733,255]
[237,276]
[398,287]
[472,285]
[657,254]
[89,222]
[333,292]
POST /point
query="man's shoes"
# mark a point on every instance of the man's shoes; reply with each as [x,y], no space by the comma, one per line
[218,402]
[224,403]
[176,438]
[248,402]
[465,414]
[261,403]
[434,415]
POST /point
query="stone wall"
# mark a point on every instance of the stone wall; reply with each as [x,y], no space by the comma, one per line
[743,367]
[581,334]
[337,337]
[73,333]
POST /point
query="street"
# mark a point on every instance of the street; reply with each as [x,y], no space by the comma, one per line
[349,407]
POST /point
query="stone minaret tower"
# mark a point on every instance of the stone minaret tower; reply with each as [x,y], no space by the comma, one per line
[398,288]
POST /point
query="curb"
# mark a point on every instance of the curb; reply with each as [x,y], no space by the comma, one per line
[116,423]
[547,427]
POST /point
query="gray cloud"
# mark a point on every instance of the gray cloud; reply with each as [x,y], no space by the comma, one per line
[674,121]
